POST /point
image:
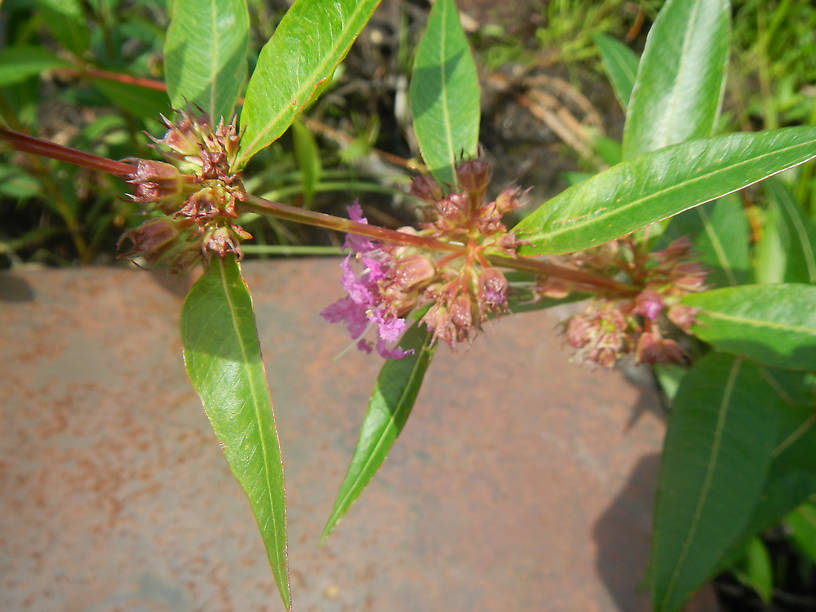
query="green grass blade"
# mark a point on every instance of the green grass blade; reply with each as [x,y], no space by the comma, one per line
[311,40]
[657,185]
[388,409]
[205,54]
[223,361]
[445,93]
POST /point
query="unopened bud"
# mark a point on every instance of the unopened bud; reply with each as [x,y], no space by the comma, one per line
[493,288]
[425,188]
[414,271]
[473,176]
[154,181]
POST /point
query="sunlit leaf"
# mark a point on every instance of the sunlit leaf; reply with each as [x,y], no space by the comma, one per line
[655,186]
[223,361]
[681,79]
[388,409]
[205,54]
[772,324]
[445,93]
[311,40]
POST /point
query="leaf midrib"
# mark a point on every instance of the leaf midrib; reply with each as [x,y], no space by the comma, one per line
[657,194]
[801,232]
[255,404]
[308,86]
[214,61]
[715,449]
[718,247]
[758,323]
[341,502]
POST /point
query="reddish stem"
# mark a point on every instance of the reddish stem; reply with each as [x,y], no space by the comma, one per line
[309,217]
[537,266]
[37,146]
[122,78]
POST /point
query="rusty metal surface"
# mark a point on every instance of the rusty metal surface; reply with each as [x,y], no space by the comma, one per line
[521,482]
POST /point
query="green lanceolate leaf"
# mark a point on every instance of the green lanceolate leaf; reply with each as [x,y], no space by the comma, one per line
[772,324]
[621,65]
[718,446]
[223,361]
[787,251]
[680,82]
[19,63]
[721,236]
[391,402]
[311,40]
[445,93]
[205,54]
[657,185]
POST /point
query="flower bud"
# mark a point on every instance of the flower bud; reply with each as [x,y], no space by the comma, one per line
[653,348]
[151,238]
[473,176]
[425,188]
[649,304]
[155,181]
[492,289]
[461,314]
[413,271]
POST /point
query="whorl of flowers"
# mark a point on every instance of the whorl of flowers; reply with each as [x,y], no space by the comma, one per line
[196,193]
[462,288]
[614,326]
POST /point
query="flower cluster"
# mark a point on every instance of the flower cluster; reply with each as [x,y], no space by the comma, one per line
[462,287]
[196,193]
[613,326]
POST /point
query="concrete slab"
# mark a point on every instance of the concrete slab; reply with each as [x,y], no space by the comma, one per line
[521,482]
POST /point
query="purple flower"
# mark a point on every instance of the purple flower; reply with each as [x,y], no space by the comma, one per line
[358,244]
[364,304]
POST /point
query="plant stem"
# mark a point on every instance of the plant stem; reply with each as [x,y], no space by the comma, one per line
[37,146]
[538,266]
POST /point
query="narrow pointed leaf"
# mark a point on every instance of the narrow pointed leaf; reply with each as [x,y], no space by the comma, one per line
[721,236]
[388,409]
[223,361]
[621,65]
[772,324]
[657,185]
[680,82]
[794,236]
[310,41]
[718,446]
[205,54]
[445,93]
